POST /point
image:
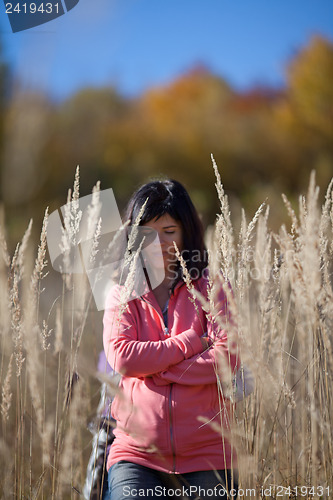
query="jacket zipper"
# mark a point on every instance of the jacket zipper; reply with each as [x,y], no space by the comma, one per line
[171,431]
[165,328]
[166,332]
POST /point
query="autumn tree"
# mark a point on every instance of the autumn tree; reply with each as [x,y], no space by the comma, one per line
[305,117]
[264,140]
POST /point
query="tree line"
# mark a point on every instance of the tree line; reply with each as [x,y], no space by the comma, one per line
[265,140]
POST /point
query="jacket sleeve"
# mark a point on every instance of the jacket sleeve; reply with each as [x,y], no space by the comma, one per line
[220,360]
[133,358]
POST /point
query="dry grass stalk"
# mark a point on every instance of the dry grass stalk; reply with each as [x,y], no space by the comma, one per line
[224,235]
[70,229]
[41,261]
[18,259]
[133,235]
[5,319]
[70,460]
[6,393]
[128,287]
[16,324]
[58,343]
[4,251]
[94,222]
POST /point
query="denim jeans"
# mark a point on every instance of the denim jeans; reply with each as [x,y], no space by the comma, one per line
[133,482]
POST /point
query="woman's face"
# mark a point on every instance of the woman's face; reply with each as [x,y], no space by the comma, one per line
[169,231]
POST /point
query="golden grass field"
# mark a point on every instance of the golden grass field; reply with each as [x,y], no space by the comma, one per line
[51,334]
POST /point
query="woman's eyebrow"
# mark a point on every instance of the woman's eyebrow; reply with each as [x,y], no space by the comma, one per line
[168,227]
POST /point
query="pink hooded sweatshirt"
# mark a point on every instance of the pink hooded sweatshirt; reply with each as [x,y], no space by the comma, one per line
[170,410]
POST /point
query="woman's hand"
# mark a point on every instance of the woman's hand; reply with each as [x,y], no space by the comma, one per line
[205,343]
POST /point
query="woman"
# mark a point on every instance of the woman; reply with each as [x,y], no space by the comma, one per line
[173,420]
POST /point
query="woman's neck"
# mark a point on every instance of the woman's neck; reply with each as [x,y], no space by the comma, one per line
[162,292]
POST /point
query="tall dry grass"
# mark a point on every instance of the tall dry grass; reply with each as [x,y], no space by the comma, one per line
[282,286]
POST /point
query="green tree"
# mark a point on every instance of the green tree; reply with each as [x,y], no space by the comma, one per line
[78,137]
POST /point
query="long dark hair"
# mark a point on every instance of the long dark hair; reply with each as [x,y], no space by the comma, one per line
[170,197]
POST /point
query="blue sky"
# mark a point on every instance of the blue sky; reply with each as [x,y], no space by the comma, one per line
[135,44]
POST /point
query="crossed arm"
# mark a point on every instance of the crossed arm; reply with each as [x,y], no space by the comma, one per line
[202,368]
[133,358]
[186,358]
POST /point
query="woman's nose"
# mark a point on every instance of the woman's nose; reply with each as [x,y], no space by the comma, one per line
[164,240]
[163,244]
